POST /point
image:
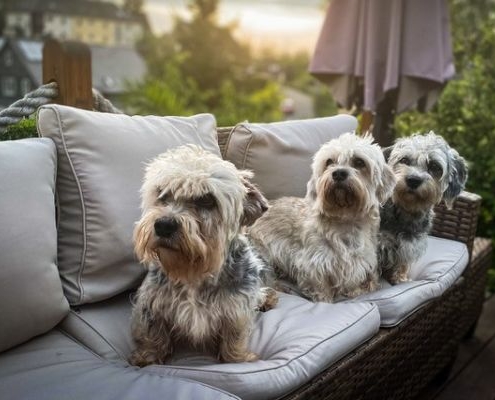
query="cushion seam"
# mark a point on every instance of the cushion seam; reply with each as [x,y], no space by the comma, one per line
[246,150]
[139,370]
[97,333]
[362,317]
[83,208]
[68,335]
[425,281]
[227,143]
[417,308]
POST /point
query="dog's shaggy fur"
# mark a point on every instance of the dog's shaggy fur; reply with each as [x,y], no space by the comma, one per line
[204,281]
[428,170]
[325,244]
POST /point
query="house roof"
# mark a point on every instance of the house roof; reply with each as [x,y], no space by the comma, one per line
[111,67]
[86,8]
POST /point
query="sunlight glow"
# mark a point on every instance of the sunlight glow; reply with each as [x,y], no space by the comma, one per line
[284,28]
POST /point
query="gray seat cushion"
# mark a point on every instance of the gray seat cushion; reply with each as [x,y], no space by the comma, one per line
[53,367]
[295,341]
[101,161]
[437,270]
[280,153]
[31,297]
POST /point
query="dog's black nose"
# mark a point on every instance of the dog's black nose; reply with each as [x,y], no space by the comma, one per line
[340,175]
[166,227]
[413,182]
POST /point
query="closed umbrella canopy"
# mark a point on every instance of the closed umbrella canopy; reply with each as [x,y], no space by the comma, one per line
[368,48]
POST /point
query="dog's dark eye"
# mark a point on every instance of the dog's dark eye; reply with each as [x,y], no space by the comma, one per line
[207,202]
[435,169]
[358,163]
[329,162]
[405,161]
[164,198]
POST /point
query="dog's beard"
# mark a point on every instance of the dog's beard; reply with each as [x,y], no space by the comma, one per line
[342,196]
[422,198]
[340,199]
[187,258]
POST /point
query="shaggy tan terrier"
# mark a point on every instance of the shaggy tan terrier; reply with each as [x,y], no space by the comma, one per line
[204,282]
[325,244]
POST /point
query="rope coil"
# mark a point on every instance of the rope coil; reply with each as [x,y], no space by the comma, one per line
[45,94]
[27,105]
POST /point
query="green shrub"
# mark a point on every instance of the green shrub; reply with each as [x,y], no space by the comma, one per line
[24,129]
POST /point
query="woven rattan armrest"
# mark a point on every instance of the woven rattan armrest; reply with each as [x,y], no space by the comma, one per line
[458,223]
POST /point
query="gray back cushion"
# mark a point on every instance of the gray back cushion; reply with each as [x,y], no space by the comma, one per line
[101,164]
[280,153]
[31,297]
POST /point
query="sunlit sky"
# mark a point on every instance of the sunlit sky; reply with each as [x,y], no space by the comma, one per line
[287,26]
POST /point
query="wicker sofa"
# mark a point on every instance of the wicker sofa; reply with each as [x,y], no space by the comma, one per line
[59,355]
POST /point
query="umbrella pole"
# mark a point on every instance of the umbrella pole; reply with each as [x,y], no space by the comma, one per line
[383,128]
[366,122]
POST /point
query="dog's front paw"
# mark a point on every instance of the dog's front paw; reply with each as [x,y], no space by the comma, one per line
[142,358]
[270,299]
[247,356]
[401,275]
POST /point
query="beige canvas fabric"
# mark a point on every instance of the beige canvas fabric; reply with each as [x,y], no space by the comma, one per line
[101,164]
[280,153]
[367,48]
[31,297]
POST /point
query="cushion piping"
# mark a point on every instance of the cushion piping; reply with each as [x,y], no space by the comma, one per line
[140,370]
[83,208]
[119,353]
[419,306]
[424,281]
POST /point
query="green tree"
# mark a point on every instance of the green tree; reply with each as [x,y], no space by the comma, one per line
[201,67]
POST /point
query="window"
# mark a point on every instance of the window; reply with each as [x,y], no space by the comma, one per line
[9,88]
[8,58]
[25,86]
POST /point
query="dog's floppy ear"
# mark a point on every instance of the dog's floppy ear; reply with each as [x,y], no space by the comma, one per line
[311,190]
[254,204]
[457,178]
[387,185]
[387,151]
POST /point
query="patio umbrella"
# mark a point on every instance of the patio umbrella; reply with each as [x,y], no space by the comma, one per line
[384,56]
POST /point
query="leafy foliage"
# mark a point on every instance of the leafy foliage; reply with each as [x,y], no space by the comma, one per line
[465,113]
[201,67]
[25,128]
[293,69]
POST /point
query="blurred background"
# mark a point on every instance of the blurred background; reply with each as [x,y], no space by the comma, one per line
[249,60]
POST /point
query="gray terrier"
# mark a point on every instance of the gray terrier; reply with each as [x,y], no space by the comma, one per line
[204,281]
[427,171]
[325,244]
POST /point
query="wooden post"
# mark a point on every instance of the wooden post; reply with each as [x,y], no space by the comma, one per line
[69,64]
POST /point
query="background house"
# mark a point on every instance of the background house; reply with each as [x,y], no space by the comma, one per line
[92,22]
[21,69]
